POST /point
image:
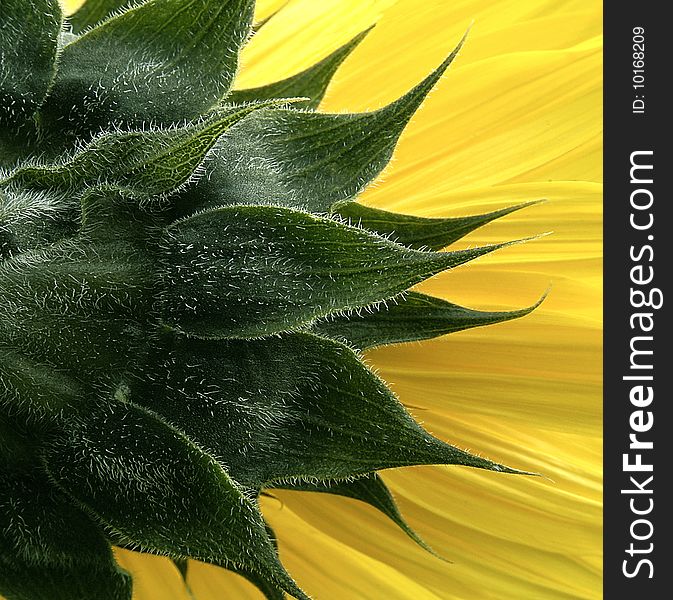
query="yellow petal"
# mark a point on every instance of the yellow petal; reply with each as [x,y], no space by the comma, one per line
[70,6]
[307,550]
[154,577]
[301,33]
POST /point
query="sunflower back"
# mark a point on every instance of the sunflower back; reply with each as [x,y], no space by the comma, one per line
[187,284]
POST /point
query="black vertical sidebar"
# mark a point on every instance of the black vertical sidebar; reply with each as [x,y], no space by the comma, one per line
[638,337]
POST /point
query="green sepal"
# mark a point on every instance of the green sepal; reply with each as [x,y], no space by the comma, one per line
[36,391]
[154,162]
[51,549]
[308,160]
[161,62]
[249,271]
[26,581]
[112,215]
[290,406]
[81,305]
[419,232]
[369,489]
[270,591]
[311,83]
[30,219]
[157,490]
[410,318]
[29,31]
[29,34]
[94,12]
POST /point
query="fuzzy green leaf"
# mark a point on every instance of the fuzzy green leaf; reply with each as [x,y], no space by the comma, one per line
[27,581]
[118,217]
[246,271]
[308,160]
[93,12]
[156,489]
[29,32]
[162,62]
[311,83]
[50,549]
[295,406]
[370,489]
[270,591]
[78,305]
[149,162]
[30,219]
[411,318]
[33,389]
[419,232]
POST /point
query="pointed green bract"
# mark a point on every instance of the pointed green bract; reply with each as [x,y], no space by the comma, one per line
[269,589]
[32,388]
[157,489]
[419,232]
[49,548]
[161,63]
[311,83]
[101,299]
[32,218]
[29,32]
[182,565]
[309,160]
[270,269]
[148,162]
[369,489]
[39,203]
[411,318]
[294,406]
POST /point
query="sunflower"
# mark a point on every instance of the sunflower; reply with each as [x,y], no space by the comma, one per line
[519,119]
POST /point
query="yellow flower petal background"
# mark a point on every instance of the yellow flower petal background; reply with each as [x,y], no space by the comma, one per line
[517,118]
